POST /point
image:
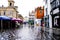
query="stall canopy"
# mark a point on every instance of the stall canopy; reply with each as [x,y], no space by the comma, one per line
[17,19]
[5,18]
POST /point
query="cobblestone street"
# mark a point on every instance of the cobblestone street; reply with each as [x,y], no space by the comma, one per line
[27,33]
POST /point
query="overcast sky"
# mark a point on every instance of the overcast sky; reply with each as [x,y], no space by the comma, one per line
[24,6]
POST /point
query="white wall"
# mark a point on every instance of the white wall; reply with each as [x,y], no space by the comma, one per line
[50,18]
[48,9]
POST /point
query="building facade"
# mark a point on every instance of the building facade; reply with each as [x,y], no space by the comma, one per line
[25,20]
[47,16]
[10,11]
[39,15]
[20,16]
[32,18]
[39,12]
[55,13]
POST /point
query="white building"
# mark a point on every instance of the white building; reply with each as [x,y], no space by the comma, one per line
[55,13]
[47,16]
[25,19]
[32,17]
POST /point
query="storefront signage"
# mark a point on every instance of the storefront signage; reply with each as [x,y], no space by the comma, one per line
[56,11]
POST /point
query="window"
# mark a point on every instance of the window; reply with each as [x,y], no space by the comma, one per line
[46,11]
[10,12]
[57,3]
[53,4]
[4,12]
[10,4]
[41,11]
[51,0]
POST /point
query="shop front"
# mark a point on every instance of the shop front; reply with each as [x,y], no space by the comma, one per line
[5,22]
[56,20]
[42,22]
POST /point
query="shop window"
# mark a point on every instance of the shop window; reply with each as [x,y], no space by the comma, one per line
[58,22]
[55,22]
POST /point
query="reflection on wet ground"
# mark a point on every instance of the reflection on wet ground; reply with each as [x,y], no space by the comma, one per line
[27,33]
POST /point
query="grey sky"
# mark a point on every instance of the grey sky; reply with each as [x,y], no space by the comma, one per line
[24,6]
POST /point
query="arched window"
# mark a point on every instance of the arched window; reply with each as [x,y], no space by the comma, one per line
[10,4]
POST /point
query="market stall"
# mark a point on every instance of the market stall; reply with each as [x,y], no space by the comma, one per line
[4,22]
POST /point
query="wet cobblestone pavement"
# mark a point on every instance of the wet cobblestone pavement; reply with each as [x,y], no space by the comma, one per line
[26,33]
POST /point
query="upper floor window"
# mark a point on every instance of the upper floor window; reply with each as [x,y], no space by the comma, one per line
[57,3]
[10,12]
[41,10]
[4,12]
[51,0]
[10,4]
[53,4]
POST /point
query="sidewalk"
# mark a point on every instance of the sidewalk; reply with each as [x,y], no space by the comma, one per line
[54,30]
